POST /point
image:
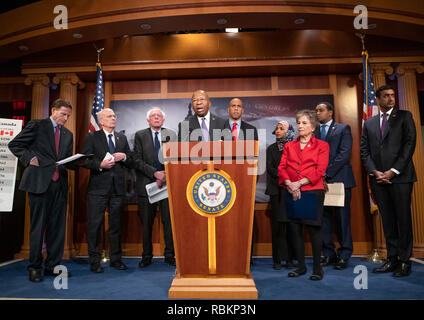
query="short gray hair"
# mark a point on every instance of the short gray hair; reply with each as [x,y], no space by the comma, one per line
[310,114]
[101,113]
[154,108]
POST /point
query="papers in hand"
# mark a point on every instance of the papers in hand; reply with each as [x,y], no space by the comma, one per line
[155,193]
[335,195]
[108,156]
[73,158]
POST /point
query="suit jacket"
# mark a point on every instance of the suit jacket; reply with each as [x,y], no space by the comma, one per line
[37,140]
[144,161]
[310,163]
[244,126]
[339,169]
[101,179]
[193,123]
[273,159]
[394,150]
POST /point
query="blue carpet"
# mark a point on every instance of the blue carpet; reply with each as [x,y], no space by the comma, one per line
[153,283]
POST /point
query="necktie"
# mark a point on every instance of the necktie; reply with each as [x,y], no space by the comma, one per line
[234,131]
[323,132]
[158,165]
[383,124]
[56,142]
[205,130]
[111,145]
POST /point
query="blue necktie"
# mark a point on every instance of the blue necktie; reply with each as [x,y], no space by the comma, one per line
[111,145]
[323,132]
[159,166]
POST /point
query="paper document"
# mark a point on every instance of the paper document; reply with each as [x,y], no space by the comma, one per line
[335,195]
[73,158]
[108,156]
[155,193]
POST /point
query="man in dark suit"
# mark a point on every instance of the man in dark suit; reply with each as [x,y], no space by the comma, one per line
[149,168]
[387,145]
[106,188]
[39,146]
[339,169]
[203,125]
[235,128]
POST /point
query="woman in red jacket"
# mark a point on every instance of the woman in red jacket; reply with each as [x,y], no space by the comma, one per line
[300,172]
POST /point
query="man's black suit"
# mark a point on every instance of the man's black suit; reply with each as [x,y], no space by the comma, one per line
[144,164]
[339,169]
[186,128]
[393,150]
[247,131]
[47,199]
[106,188]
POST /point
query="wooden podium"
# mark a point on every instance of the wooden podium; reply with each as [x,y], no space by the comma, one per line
[211,189]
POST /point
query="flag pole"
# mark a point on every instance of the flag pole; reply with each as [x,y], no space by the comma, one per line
[105,254]
[374,256]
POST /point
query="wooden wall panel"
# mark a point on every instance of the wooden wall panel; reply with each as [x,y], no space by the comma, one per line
[224,84]
[305,82]
[15,92]
[147,86]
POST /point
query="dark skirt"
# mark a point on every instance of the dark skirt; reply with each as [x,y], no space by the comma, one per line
[303,215]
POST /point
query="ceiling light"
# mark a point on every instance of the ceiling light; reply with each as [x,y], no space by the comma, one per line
[372,26]
[221,21]
[299,21]
[77,35]
[146,26]
[232,30]
[23,48]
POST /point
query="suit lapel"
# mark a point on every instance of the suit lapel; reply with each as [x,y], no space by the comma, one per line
[62,141]
[101,137]
[331,130]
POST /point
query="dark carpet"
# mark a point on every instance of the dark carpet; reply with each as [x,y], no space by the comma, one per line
[153,282]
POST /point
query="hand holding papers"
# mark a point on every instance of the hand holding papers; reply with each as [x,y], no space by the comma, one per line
[155,193]
[108,161]
[335,195]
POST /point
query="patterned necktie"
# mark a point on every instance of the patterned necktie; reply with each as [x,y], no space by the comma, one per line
[234,131]
[111,145]
[56,142]
[323,132]
[383,124]
[159,166]
[205,130]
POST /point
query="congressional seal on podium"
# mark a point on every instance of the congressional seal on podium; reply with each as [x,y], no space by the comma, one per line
[211,192]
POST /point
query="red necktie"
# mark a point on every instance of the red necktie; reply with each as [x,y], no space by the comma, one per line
[56,142]
[234,131]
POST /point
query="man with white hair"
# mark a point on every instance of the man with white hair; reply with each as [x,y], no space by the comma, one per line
[149,168]
[111,153]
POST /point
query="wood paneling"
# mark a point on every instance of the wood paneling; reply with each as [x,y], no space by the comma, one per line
[139,87]
[15,92]
[224,84]
[305,82]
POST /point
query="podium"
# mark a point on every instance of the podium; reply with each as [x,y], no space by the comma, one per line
[211,192]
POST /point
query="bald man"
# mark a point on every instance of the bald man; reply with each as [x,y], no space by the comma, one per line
[203,125]
[235,128]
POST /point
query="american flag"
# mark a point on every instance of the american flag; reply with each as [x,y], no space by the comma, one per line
[370,108]
[99,101]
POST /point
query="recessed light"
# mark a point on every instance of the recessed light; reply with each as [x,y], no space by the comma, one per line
[372,26]
[232,30]
[77,35]
[146,26]
[299,21]
[23,48]
[221,21]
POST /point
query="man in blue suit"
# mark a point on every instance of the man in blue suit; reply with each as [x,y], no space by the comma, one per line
[339,169]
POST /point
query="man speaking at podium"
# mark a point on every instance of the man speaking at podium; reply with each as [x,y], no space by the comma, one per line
[202,125]
[39,146]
